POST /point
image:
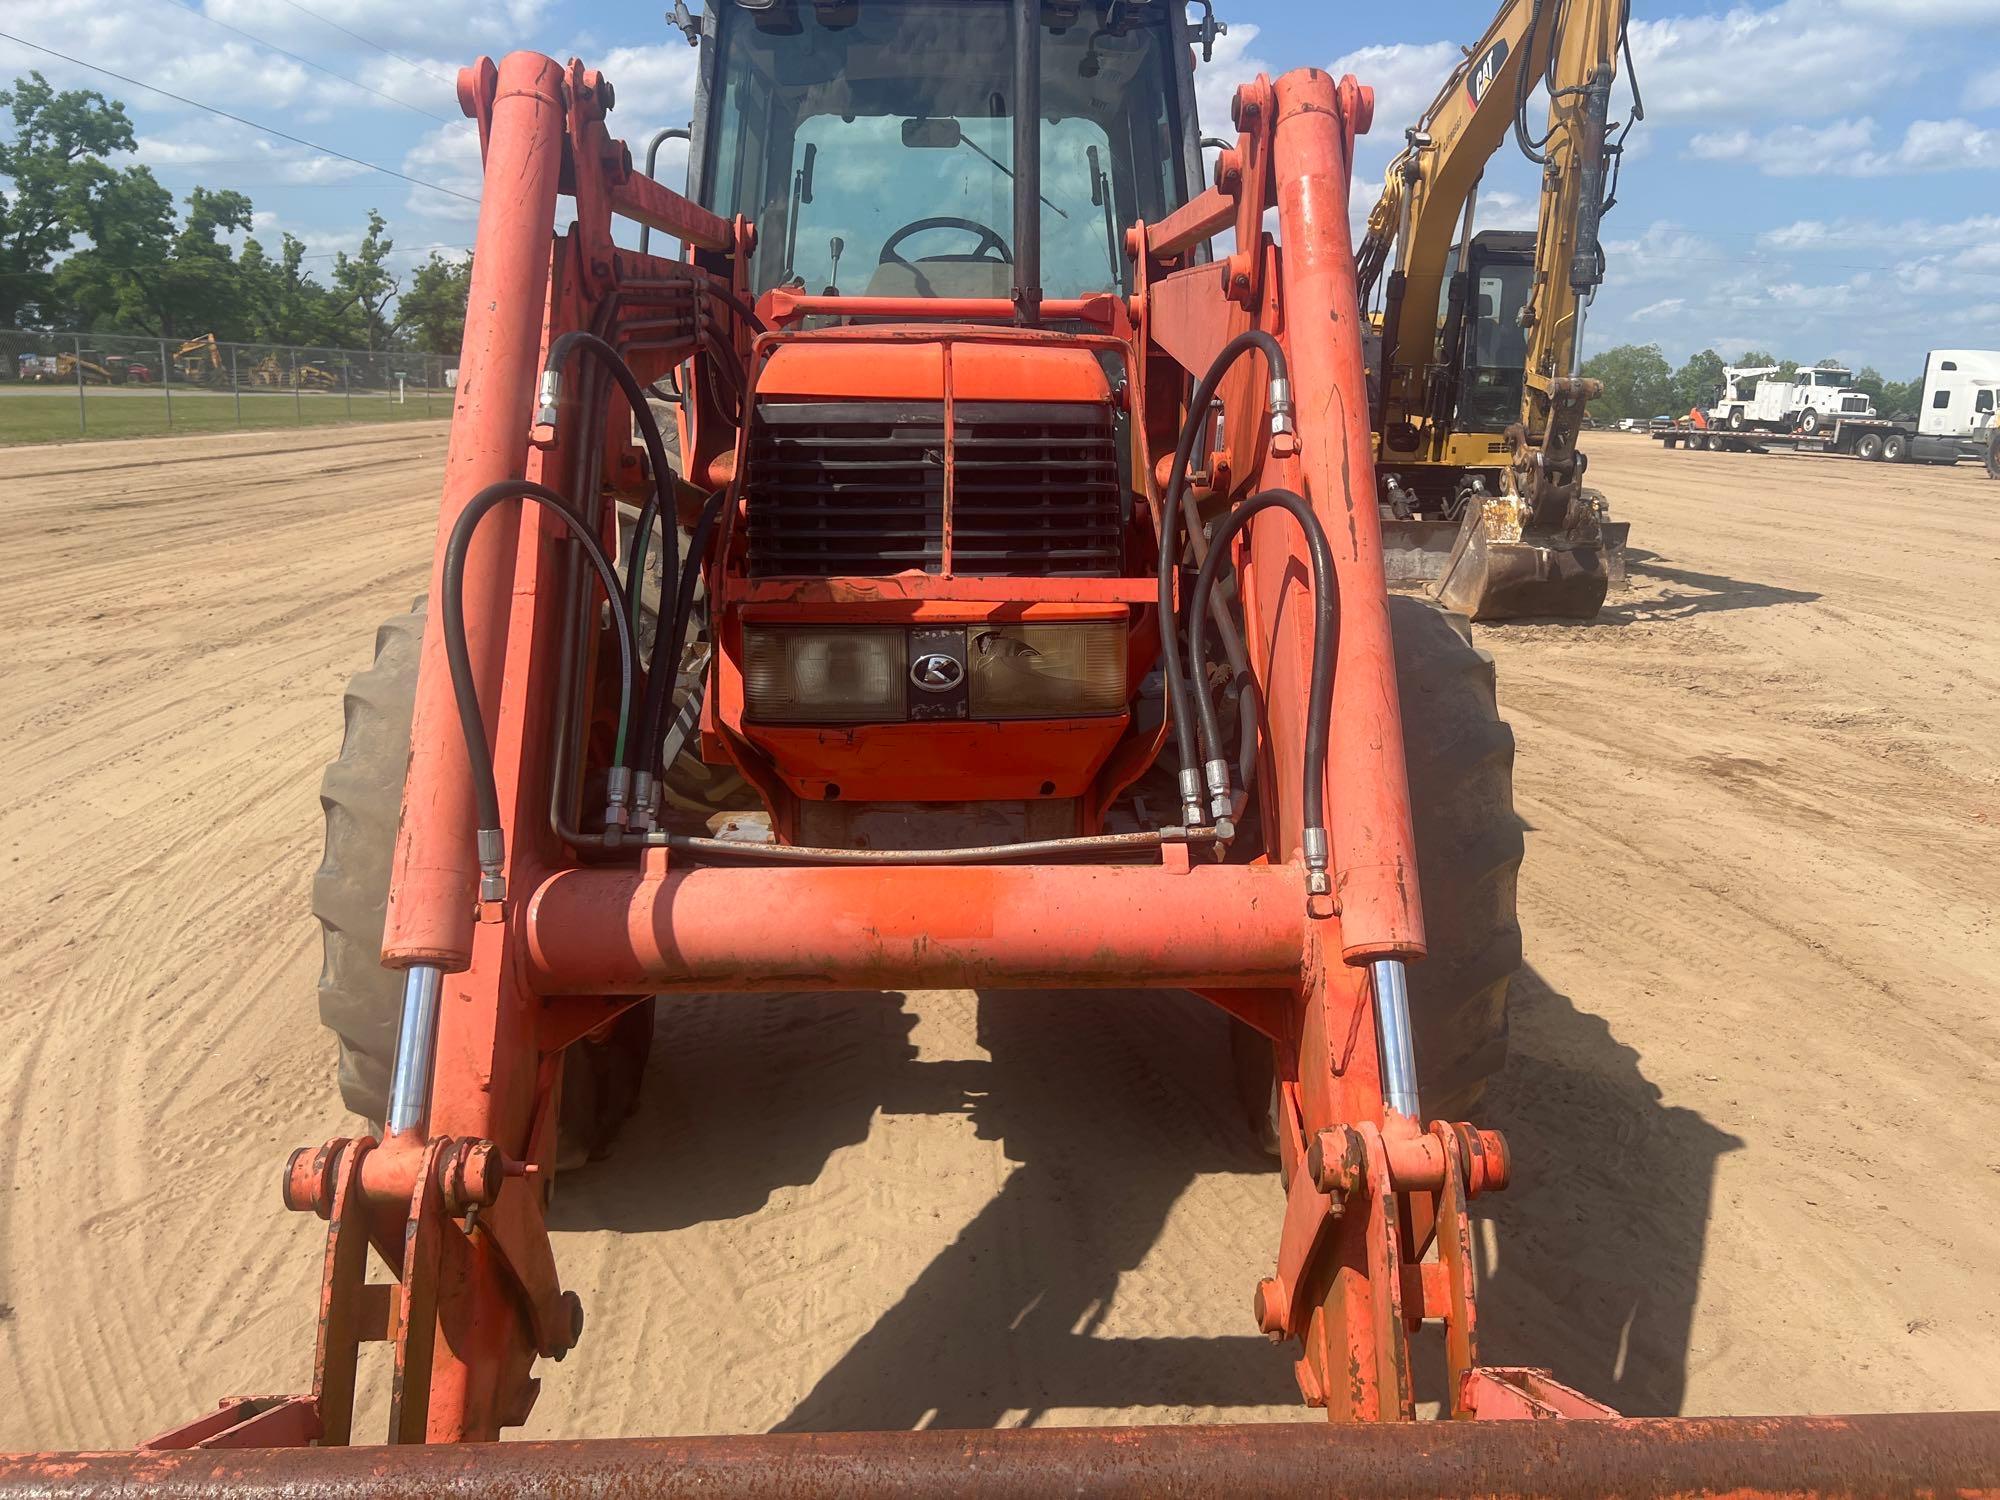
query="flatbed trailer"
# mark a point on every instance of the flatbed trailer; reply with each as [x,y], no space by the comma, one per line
[1884,439]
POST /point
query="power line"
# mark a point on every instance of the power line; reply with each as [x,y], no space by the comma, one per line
[179,267]
[189,6]
[369,42]
[153,88]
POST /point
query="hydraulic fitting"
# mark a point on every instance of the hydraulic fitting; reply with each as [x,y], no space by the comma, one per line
[644,798]
[551,397]
[1313,843]
[1220,798]
[492,857]
[1191,798]
[1281,407]
[617,795]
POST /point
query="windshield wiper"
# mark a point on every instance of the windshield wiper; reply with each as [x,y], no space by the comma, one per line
[966,140]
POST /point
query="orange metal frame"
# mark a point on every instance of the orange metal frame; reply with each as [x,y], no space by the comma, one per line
[1375,1241]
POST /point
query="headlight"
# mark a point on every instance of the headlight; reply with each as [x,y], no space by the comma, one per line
[823,676]
[1046,671]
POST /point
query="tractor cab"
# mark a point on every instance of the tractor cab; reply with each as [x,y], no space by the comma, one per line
[876,147]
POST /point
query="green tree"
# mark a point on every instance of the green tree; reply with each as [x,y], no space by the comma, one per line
[282,304]
[1698,382]
[430,316]
[363,288]
[115,282]
[1638,382]
[54,173]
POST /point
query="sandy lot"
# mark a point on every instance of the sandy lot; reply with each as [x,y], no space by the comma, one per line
[1756,1056]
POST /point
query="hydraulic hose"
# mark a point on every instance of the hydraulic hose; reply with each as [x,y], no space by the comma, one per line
[668,647]
[485,791]
[649,432]
[1319,695]
[1170,514]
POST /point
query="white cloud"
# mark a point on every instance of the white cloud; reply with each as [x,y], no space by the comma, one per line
[1846,148]
[1405,76]
[449,157]
[1800,57]
[1983,92]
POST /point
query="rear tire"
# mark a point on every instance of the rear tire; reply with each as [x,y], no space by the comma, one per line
[359,1000]
[1459,754]
[1868,446]
[1895,447]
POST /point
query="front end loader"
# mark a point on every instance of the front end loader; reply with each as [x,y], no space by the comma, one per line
[1014,617]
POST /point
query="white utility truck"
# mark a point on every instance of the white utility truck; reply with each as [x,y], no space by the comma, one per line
[1753,400]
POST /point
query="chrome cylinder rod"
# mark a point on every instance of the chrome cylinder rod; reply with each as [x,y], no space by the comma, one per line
[1392,1026]
[416,1050]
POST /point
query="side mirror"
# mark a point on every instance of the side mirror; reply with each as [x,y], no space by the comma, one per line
[931,135]
[806,174]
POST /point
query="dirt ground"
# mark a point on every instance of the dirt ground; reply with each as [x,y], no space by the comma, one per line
[1755,1060]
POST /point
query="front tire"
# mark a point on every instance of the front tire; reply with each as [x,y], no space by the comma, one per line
[360,1002]
[1810,421]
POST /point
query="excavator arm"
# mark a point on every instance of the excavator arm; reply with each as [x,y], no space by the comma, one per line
[1421,232]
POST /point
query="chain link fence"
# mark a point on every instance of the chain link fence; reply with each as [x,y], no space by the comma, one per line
[56,387]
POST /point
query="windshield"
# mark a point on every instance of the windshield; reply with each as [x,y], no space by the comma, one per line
[873,148]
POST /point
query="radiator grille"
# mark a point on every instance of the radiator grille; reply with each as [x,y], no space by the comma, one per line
[846,488]
[857,489]
[1034,489]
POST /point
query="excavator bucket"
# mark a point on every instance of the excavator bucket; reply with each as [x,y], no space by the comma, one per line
[1496,572]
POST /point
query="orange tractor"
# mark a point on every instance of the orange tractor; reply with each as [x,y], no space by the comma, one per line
[1022,623]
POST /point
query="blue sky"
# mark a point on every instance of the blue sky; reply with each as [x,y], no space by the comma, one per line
[1814,176]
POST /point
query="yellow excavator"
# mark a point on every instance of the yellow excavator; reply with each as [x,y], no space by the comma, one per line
[1477,350]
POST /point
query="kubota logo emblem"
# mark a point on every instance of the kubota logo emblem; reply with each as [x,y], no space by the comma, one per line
[1485,71]
[935,672]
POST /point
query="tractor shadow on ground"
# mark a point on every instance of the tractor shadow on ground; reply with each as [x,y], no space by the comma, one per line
[1594,1262]
[744,1095]
[1109,1104]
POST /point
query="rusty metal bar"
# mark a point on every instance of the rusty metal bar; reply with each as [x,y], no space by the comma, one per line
[636,932]
[1928,1453]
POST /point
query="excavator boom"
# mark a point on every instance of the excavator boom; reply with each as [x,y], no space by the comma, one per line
[1479,395]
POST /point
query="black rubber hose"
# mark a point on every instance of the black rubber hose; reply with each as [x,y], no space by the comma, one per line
[741,308]
[669,645]
[656,451]
[1326,605]
[485,793]
[1170,512]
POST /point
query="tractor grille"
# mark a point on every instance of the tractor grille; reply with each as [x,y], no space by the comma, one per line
[857,489]
[846,488]
[1854,403]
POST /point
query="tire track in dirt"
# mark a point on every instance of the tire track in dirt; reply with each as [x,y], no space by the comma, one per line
[1753,1050]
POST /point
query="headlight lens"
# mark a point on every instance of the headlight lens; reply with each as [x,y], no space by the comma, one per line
[823,676]
[1046,671]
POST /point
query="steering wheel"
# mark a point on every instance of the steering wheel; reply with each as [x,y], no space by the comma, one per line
[988,240]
